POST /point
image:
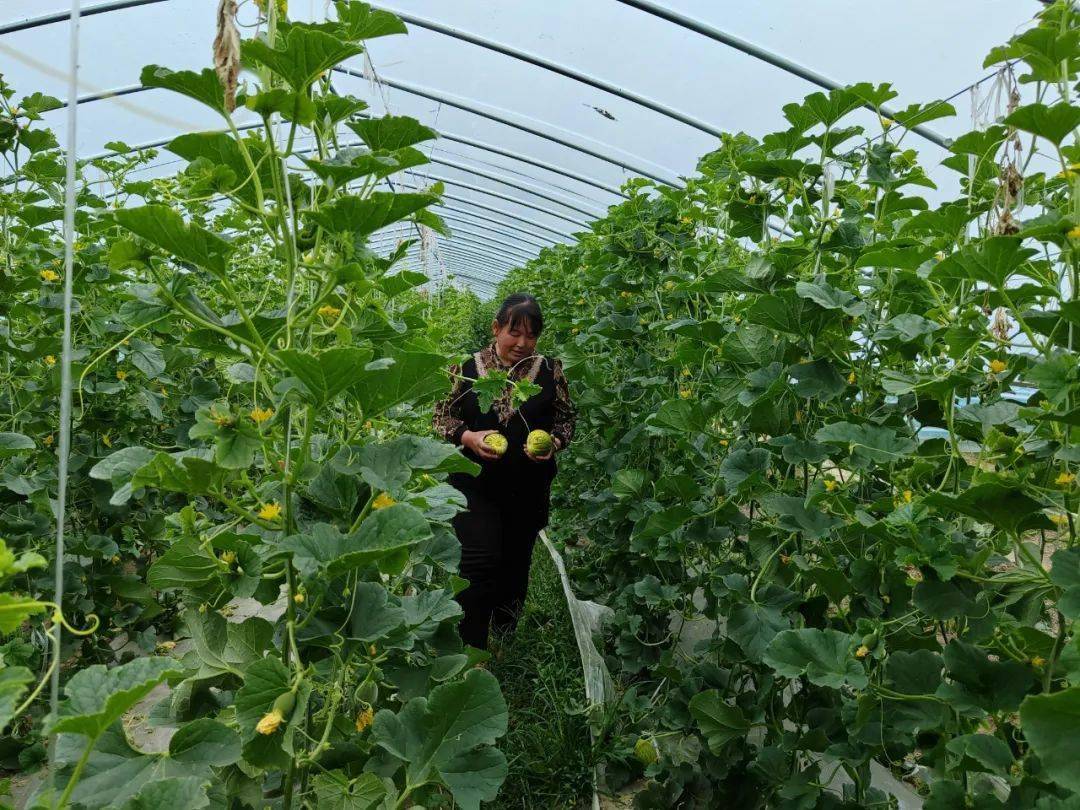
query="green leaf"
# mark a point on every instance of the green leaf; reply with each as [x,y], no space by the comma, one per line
[829,297]
[825,657]
[753,627]
[992,261]
[661,523]
[96,697]
[333,791]
[13,685]
[373,616]
[1051,726]
[165,228]
[719,722]
[306,52]
[916,114]
[264,682]
[358,21]
[185,565]
[11,444]
[740,466]
[978,684]
[1053,123]
[175,792]
[446,738]
[818,379]
[914,673]
[985,749]
[999,502]
[225,648]
[384,537]
[415,377]
[792,514]
[870,443]
[11,565]
[366,215]
[15,609]
[328,373]
[204,87]
[391,132]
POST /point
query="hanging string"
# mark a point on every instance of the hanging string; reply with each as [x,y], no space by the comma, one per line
[65,368]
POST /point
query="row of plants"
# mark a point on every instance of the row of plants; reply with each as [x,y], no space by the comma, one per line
[251,384]
[841,424]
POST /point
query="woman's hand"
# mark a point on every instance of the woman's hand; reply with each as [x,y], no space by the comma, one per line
[474,440]
[546,457]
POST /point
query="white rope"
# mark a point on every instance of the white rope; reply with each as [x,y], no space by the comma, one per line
[65,368]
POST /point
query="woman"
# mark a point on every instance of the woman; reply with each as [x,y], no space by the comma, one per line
[508,502]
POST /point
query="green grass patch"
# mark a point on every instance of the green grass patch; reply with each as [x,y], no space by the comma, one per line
[547,745]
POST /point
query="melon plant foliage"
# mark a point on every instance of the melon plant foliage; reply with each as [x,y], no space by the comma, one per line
[826,469]
[250,520]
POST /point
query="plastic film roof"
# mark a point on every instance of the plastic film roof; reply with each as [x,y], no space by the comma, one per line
[545,107]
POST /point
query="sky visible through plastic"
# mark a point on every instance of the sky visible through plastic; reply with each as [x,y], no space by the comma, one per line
[513,189]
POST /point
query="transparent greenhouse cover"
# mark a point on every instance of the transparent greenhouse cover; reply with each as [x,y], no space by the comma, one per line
[546,106]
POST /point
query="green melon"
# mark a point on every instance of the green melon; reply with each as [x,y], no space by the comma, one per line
[539,443]
[496,442]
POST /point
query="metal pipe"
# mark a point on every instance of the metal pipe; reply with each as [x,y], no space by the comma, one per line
[463,104]
[562,70]
[514,231]
[485,233]
[509,254]
[474,239]
[491,193]
[774,59]
[63,16]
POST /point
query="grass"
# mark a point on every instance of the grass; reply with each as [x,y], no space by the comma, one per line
[547,744]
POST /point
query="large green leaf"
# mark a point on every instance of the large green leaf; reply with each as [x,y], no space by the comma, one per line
[392,132]
[328,373]
[384,538]
[305,53]
[978,683]
[204,87]
[1051,726]
[11,444]
[817,379]
[447,738]
[165,228]
[359,21]
[224,648]
[11,564]
[740,466]
[264,682]
[825,657]
[870,443]
[661,523]
[999,502]
[753,627]
[334,791]
[366,215]
[373,616]
[992,261]
[1051,122]
[915,673]
[186,565]
[415,377]
[117,775]
[719,722]
[792,514]
[96,697]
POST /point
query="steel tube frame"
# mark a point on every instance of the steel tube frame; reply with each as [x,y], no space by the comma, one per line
[486,235]
[513,200]
[462,104]
[498,248]
[569,73]
[479,240]
[774,59]
[505,213]
[64,16]
[492,260]
[501,230]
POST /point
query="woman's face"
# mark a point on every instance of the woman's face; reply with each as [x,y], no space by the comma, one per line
[514,343]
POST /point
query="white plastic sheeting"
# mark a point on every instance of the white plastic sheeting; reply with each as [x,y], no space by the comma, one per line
[475,94]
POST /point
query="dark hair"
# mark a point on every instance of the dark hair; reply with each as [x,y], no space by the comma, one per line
[518,309]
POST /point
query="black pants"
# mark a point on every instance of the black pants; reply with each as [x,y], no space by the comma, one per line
[497,536]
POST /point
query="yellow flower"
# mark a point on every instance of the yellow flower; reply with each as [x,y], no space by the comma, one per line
[228,557]
[48,440]
[625,293]
[50,360]
[270,511]
[1075,233]
[723,442]
[685,393]
[382,500]
[260,415]
[798,417]
[270,722]
[686,220]
[121,375]
[851,378]
[914,573]
[574,331]
[1064,479]
[862,652]
[1038,661]
[371,650]
[940,255]
[997,366]
[686,372]
[363,720]
[580,301]
[367,425]
[886,123]
[114,559]
[907,496]
[166,646]
[830,485]
[49,276]
[328,312]
[106,440]
[299,598]
[785,559]
[1060,518]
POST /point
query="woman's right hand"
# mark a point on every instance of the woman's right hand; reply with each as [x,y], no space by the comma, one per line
[474,440]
